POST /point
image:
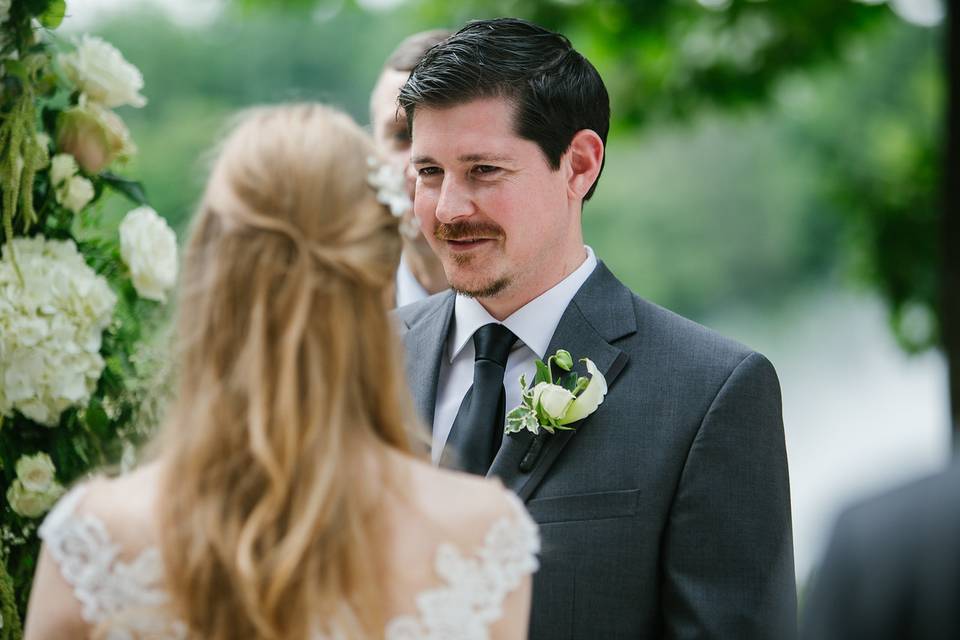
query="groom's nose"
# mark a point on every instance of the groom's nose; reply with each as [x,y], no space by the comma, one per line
[454,200]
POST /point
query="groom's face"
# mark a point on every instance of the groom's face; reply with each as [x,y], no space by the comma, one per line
[490,205]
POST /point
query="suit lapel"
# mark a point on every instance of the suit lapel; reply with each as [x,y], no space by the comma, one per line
[600,313]
[424,341]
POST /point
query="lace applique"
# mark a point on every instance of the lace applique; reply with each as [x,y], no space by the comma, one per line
[476,586]
[127,594]
[130,595]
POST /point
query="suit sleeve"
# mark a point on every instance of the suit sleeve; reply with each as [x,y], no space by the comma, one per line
[830,611]
[728,549]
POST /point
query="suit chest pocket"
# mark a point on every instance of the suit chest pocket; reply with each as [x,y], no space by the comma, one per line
[585,506]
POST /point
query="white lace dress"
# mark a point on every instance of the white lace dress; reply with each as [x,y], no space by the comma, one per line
[466,601]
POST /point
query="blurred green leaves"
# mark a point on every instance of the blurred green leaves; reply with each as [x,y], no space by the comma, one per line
[829,157]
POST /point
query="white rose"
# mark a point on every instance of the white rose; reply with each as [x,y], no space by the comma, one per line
[36,472]
[552,398]
[76,193]
[63,166]
[148,247]
[32,504]
[102,74]
[591,397]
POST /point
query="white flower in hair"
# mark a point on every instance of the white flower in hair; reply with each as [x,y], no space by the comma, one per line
[390,185]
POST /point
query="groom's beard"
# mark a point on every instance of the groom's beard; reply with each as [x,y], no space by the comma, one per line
[465,231]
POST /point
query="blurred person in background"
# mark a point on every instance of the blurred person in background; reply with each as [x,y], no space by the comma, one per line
[420,273]
[892,568]
[284,499]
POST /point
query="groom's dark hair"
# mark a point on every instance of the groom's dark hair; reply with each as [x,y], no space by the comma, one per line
[555,90]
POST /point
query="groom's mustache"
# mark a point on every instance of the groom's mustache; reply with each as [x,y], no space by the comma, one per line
[467,231]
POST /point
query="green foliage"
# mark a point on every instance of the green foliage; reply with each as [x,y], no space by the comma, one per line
[666,59]
[877,143]
[53,15]
[98,432]
[244,59]
[11,628]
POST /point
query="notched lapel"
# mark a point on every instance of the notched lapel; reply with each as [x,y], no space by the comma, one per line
[424,342]
[601,312]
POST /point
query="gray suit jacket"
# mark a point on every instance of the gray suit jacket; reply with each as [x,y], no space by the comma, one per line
[892,569]
[666,514]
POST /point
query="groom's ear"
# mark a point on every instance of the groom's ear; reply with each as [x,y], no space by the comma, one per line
[585,159]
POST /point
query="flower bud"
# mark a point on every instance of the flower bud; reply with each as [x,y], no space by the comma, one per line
[94,136]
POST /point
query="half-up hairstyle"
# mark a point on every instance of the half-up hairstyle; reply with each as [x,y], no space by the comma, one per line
[290,389]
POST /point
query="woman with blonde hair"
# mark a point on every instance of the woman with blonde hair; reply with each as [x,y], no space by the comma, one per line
[285,499]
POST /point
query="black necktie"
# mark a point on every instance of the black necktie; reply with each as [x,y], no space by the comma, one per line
[478,428]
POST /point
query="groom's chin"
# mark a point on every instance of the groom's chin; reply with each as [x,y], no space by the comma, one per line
[480,289]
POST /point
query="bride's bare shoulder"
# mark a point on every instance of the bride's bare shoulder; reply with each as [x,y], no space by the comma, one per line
[457,497]
[126,504]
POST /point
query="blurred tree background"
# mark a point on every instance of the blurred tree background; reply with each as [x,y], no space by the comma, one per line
[775,170]
[759,149]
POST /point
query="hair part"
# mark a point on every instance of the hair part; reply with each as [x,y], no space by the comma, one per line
[277,440]
[556,92]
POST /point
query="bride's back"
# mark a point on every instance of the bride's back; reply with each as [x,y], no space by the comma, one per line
[456,553]
[286,498]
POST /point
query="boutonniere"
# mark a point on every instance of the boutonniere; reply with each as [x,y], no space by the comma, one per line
[553,404]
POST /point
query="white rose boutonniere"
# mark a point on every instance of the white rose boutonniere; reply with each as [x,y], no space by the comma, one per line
[553,404]
[148,247]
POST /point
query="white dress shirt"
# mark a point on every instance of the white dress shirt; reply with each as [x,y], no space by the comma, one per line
[534,325]
[409,289]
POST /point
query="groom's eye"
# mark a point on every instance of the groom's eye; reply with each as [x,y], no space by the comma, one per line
[485,169]
[426,172]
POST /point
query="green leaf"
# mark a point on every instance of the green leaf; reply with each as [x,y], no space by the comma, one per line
[521,418]
[81,449]
[543,373]
[568,381]
[564,360]
[53,14]
[97,419]
[131,189]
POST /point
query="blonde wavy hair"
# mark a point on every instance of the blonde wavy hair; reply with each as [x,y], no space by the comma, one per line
[290,391]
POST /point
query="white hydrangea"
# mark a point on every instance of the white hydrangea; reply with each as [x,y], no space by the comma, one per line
[73,191]
[76,193]
[148,247]
[102,74]
[62,168]
[51,328]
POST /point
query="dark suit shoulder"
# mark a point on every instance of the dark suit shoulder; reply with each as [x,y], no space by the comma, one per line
[928,504]
[414,312]
[686,343]
[891,567]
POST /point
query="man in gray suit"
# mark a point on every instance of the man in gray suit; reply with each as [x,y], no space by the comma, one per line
[892,569]
[664,514]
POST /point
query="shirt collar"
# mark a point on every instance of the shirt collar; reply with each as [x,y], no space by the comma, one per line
[534,323]
[409,289]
